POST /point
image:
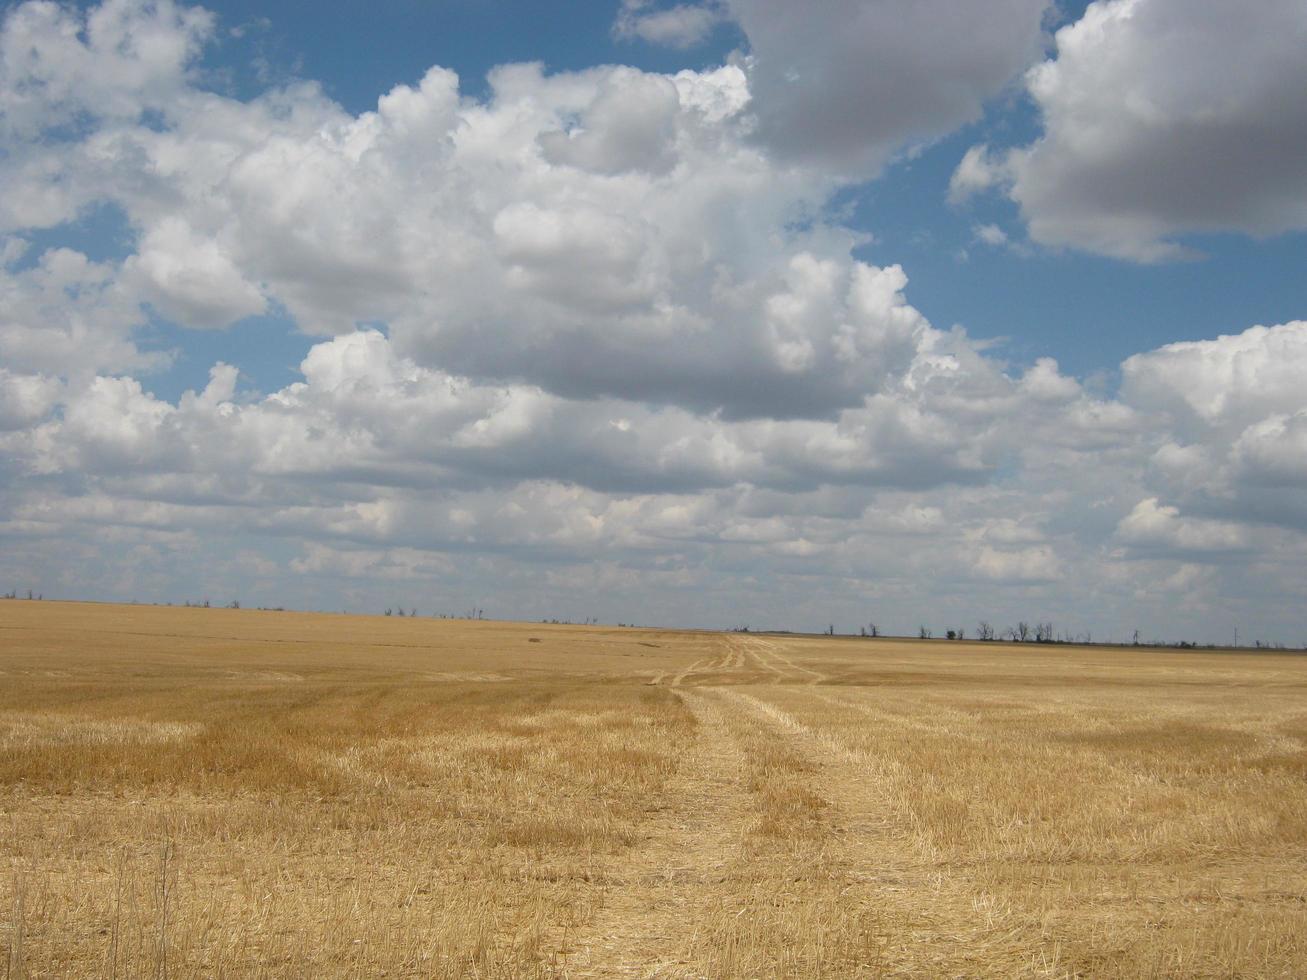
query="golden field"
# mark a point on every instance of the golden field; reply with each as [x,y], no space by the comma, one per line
[189,792]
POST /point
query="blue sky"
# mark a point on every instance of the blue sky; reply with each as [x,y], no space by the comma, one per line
[664,327]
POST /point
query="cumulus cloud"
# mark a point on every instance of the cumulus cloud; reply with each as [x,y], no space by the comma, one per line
[26,398]
[191,279]
[629,125]
[114,64]
[602,233]
[1225,383]
[850,83]
[1273,452]
[1153,526]
[1162,118]
[59,70]
[362,406]
[605,233]
[67,314]
[1233,407]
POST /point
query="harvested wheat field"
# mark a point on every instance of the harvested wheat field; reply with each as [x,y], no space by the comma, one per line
[193,792]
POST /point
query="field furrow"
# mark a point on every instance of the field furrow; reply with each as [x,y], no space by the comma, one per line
[659,890]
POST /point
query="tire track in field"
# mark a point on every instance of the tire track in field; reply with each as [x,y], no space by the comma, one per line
[730,659]
[774,674]
[736,657]
[742,660]
[749,655]
[811,676]
[648,916]
[767,654]
[689,671]
[938,925]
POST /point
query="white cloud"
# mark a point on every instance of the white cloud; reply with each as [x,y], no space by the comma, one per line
[59,70]
[68,315]
[114,425]
[608,233]
[1021,566]
[629,125]
[682,26]
[1227,382]
[362,406]
[1162,118]
[190,279]
[1156,527]
[978,171]
[991,235]
[122,59]
[1273,452]
[1233,407]
[26,399]
[850,83]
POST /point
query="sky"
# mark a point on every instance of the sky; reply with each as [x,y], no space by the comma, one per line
[722,313]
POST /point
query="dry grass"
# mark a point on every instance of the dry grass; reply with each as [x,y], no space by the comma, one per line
[233,793]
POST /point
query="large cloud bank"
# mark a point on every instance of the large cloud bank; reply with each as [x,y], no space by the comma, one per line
[589,336]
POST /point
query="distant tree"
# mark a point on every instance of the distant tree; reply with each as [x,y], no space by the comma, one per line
[952,634]
[923,633]
[1136,638]
[1043,632]
[389,612]
[873,629]
[962,634]
[234,604]
[1023,632]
